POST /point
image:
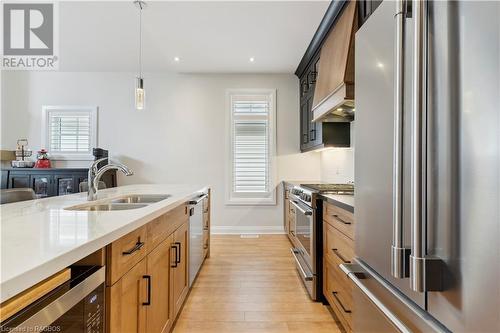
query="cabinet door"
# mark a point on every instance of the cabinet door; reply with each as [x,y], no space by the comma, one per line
[42,185]
[304,124]
[64,184]
[127,311]
[159,313]
[19,181]
[180,273]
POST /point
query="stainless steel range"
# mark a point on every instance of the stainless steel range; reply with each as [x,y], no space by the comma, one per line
[307,232]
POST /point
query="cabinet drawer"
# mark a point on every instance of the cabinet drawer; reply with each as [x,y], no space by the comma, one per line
[157,231]
[160,228]
[337,246]
[340,218]
[124,253]
[338,291]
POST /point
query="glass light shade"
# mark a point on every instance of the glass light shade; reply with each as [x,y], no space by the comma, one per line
[140,95]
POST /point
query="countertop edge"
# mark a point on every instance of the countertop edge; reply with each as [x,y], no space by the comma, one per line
[338,203]
[17,284]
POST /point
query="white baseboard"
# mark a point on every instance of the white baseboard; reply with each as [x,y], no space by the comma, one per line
[237,230]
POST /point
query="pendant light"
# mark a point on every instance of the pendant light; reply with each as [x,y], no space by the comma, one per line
[140,93]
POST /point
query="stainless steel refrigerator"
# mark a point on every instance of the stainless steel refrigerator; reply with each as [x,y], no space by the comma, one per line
[427,168]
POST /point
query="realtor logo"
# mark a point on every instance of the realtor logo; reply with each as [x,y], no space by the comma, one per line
[29,36]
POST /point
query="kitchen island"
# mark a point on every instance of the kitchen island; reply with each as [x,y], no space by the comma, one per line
[41,237]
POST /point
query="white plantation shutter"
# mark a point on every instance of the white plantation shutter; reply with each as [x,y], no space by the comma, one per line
[252,146]
[251,156]
[70,132]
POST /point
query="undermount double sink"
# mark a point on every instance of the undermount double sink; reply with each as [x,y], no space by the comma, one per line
[127,202]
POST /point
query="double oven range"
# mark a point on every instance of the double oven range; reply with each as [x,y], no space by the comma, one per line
[307,231]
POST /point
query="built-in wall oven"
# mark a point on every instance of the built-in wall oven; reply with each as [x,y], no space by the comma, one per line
[307,239]
[77,306]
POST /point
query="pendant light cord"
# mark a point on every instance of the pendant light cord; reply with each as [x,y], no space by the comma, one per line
[140,40]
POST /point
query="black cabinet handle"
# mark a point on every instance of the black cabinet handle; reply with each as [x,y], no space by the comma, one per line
[338,300]
[148,278]
[340,220]
[312,77]
[336,251]
[313,134]
[174,246]
[178,261]
[136,247]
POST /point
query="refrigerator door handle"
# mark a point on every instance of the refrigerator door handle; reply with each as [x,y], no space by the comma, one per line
[426,272]
[399,253]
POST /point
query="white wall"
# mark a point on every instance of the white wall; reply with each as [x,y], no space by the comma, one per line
[179,138]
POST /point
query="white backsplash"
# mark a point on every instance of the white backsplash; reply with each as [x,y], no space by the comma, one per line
[337,165]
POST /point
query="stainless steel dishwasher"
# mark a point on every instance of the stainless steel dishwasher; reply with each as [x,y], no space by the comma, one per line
[195,236]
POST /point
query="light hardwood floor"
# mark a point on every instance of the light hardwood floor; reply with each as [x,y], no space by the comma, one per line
[250,285]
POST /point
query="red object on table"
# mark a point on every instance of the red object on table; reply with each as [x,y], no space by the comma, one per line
[42,164]
[43,161]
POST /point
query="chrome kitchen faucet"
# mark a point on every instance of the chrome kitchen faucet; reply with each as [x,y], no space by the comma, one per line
[95,175]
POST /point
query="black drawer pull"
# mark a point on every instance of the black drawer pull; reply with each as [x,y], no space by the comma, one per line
[334,293]
[339,219]
[148,278]
[336,251]
[136,247]
[178,260]
[174,246]
[313,134]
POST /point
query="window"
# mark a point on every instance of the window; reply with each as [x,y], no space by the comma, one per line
[70,132]
[251,147]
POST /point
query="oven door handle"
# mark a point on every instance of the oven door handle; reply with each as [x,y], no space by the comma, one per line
[307,277]
[305,212]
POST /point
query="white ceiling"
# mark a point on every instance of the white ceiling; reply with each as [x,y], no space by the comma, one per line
[208,37]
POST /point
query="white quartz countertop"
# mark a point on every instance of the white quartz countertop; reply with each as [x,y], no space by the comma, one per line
[40,237]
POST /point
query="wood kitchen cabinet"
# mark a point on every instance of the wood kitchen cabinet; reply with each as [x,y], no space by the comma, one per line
[159,313]
[180,273]
[338,248]
[126,311]
[148,273]
[149,296]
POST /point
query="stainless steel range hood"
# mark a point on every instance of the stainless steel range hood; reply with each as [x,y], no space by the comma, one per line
[334,92]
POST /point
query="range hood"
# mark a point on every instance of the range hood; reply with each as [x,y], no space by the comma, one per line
[334,92]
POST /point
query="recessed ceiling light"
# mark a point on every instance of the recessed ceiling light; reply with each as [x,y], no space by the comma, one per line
[177,59]
[380,65]
[252,59]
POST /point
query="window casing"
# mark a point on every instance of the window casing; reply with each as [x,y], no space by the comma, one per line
[69,132]
[251,147]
